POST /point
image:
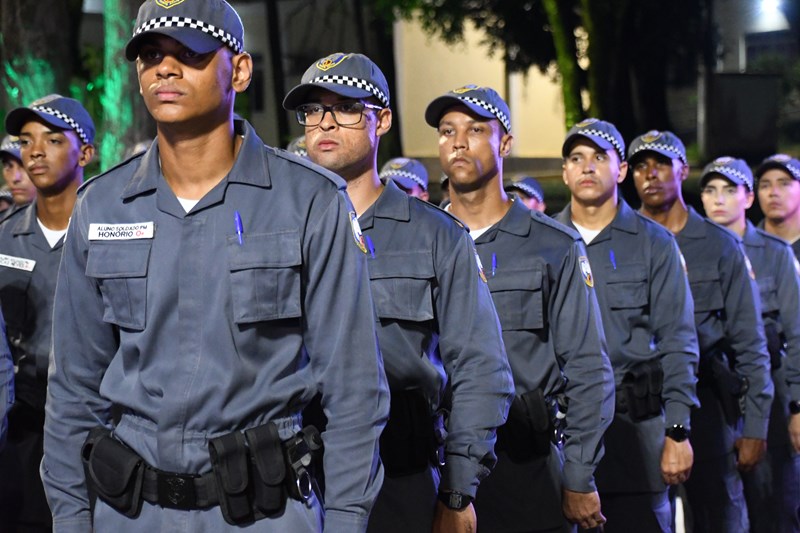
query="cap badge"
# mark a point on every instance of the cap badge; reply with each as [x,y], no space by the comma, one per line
[399,163]
[166,4]
[651,136]
[723,160]
[587,122]
[46,99]
[331,61]
[466,89]
[780,158]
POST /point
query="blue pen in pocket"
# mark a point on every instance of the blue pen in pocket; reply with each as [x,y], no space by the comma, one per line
[237,222]
[613,259]
[370,246]
[494,264]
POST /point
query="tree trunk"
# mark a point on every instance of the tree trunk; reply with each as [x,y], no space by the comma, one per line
[567,61]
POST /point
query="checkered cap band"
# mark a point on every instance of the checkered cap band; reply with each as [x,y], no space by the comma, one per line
[793,169]
[185,22]
[66,118]
[354,82]
[494,110]
[607,136]
[732,173]
[404,174]
[664,147]
[10,146]
[530,191]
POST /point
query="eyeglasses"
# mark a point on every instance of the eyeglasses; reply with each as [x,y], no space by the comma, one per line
[344,113]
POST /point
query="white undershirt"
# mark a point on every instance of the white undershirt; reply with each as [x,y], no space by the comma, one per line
[474,233]
[587,234]
[187,204]
[52,235]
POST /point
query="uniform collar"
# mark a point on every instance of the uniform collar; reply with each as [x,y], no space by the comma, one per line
[392,203]
[752,237]
[26,223]
[695,227]
[517,221]
[625,220]
[250,166]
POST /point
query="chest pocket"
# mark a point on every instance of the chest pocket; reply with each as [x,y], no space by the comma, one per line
[769,294]
[121,269]
[519,299]
[402,285]
[265,276]
[706,290]
[627,287]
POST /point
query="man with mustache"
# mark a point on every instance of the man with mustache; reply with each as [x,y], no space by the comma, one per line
[647,316]
[542,286]
[734,364]
[772,488]
[56,143]
[438,330]
[209,288]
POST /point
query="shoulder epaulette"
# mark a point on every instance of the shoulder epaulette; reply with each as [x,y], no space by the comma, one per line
[110,170]
[555,224]
[437,209]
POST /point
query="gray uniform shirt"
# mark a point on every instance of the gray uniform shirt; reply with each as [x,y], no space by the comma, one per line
[28,271]
[646,304]
[6,382]
[192,334]
[437,320]
[776,272]
[726,308]
[541,282]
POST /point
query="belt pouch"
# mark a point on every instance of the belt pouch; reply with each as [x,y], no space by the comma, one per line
[729,387]
[642,386]
[229,459]
[775,343]
[115,472]
[269,474]
[406,439]
[526,433]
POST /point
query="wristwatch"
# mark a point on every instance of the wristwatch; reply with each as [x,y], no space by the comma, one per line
[794,407]
[677,432]
[455,500]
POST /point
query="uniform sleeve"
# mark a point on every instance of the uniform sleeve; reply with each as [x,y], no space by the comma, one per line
[83,346]
[339,336]
[580,345]
[6,382]
[472,350]
[788,282]
[676,337]
[744,330]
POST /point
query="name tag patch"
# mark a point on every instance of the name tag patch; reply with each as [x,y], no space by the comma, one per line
[121,232]
[19,263]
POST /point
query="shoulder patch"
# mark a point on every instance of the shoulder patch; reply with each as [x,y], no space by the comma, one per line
[481,273]
[357,235]
[749,265]
[586,270]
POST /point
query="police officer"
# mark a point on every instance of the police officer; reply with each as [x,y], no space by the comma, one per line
[772,488]
[203,277]
[298,146]
[530,192]
[779,197]
[541,284]
[22,189]
[437,329]
[56,136]
[734,365]
[647,309]
[408,174]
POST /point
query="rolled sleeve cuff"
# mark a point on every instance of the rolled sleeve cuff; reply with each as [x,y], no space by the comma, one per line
[755,427]
[579,478]
[676,413]
[342,522]
[462,475]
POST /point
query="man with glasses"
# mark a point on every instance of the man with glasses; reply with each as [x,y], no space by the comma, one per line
[437,325]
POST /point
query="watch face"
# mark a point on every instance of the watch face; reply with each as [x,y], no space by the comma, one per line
[678,433]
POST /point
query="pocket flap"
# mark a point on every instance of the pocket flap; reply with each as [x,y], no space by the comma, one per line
[516,280]
[265,250]
[118,260]
[414,265]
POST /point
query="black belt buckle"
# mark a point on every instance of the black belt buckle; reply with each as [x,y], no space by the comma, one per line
[176,491]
